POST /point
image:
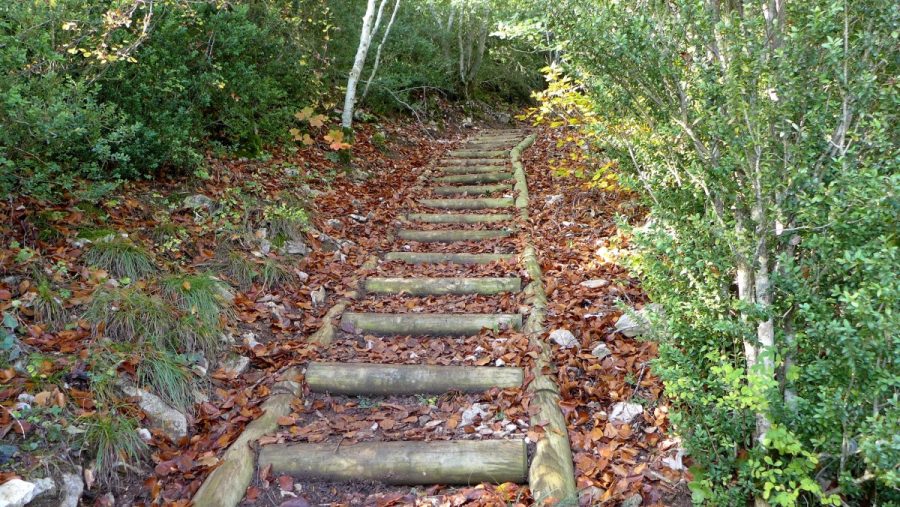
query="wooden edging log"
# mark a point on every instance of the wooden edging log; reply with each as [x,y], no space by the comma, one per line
[428,286]
[461,462]
[327,332]
[459,218]
[369,379]
[227,484]
[551,476]
[450,258]
[429,324]
[472,169]
[491,177]
[472,189]
[452,235]
[473,203]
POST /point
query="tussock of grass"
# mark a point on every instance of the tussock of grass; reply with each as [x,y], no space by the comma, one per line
[168,375]
[201,295]
[131,315]
[165,231]
[113,438]
[48,307]
[244,271]
[121,258]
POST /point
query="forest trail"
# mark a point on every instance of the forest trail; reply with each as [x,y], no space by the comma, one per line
[435,369]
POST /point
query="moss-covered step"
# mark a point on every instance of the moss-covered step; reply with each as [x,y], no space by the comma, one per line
[427,324]
[459,218]
[368,379]
[471,203]
[430,286]
[452,235]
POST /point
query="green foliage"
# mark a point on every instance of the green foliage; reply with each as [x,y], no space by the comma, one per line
[237,268]
[167,374]
[47,306]
[132,315]
[288,222]
[764,152]
[204,304]
[121,258]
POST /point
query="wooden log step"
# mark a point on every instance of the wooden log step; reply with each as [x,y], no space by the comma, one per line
[473,161]
[472,189]
[479,153]
[461,462]
[428,286]
[428,324]
[459,218]
[452,235]
[368,379]
[472,169]
[491,177]
[450,258]
[473,203]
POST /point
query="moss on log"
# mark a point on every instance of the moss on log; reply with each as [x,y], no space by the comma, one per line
[449,258]
[433,324]
[367,379]
[475,203]
[422,286]
[452,235]
[492,177]
[455,462]
[459,218]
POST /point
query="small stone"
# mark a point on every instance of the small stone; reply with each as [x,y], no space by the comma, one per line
[172,422]
[595,283]
[16,493]
[600,351]
[70,490]
[500,362]
[553,199]
[197,201]
[235,365]
[329,244]
[145,434]
[564,338]
[296,247]
[291,172]
[635,500]
[250,339]
[473,412]
[318,296]
[359,218]
[303,276]
[591,495]
[334,223]
[624,412]
[265,246]
[26,398]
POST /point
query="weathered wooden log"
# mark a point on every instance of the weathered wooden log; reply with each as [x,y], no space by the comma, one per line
[452,462]
[473,169]
[227,484]
[473,161]
[493,177]
[429,324]
[427,286]
[450,258]
[480,203]
[472,189]
[459,218]
[367,379]
[452,235]
[479,154]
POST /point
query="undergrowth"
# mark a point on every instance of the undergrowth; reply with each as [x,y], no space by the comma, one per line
[121,258]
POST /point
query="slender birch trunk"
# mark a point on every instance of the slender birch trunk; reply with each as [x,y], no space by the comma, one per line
[365,40]
[387,31]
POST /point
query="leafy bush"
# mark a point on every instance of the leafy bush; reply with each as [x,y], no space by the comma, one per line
[761,146]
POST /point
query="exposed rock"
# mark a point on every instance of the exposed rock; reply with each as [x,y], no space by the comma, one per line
[197,201]
[635,500]
[302,276]
[473,412]
[265,246]
[291,172]
[296,247]
[600,351]
[235,365]
[65,491]
[172,422]
[624,412]
[145,434]
[334,223]
[16,493]
[329,244]
[359,218]
[595,283]
[591,495]
[553,199]
[637,324]
[564,338]
[318,296]
[504,118]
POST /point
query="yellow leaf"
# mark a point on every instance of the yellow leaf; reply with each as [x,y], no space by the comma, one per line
[304,113]
[317,120]
[186,284]
[307,140]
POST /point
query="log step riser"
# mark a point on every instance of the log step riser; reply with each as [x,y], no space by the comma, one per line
[472,189]
[429,324]
[465,259]
[459,218]
[367,379]
[474,178]
[460,204]
[452,236]
[485,286]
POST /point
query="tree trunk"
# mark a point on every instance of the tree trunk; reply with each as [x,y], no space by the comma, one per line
[365,39]
[387,31]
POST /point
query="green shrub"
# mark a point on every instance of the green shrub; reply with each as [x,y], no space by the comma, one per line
[112,438]
[48,307]
[132,315]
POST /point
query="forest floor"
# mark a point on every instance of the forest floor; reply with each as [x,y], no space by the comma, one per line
[353,215]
